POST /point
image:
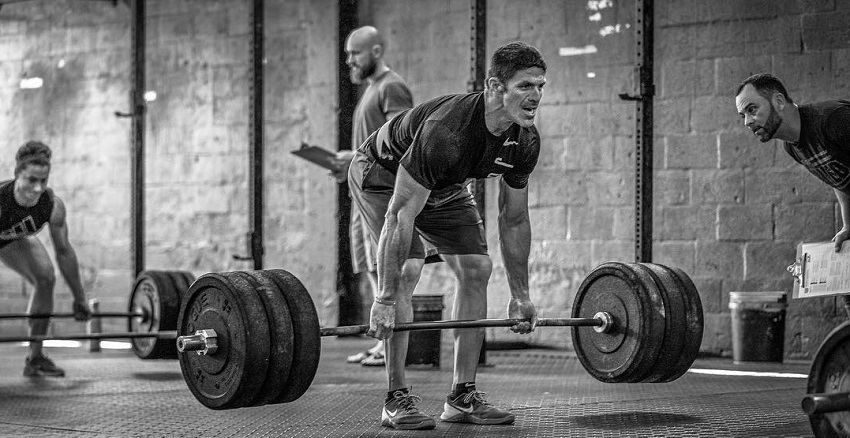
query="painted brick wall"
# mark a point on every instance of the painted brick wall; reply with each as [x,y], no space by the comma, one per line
[197,137]
[728,210]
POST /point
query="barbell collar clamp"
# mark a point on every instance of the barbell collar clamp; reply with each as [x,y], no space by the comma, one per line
[203,342]
[607,322]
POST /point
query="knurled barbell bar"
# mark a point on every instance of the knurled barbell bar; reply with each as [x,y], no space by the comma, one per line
[138,314]
[166,335]
[206,341]
[258,336]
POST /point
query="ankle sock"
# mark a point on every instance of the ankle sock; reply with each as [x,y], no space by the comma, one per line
[462,388]
[391,394]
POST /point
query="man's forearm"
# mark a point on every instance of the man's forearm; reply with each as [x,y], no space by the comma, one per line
[393,247]
[70,269]
[844,207]
[515,240]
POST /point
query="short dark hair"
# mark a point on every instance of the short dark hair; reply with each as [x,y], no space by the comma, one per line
[766,84]
[513,57]
[32,152]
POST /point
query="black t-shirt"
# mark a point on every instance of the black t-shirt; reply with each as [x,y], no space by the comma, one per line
[444,141]
[17,221]
[824,146]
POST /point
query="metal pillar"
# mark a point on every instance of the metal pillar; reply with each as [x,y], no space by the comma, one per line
[255,172]
[477,76]
[643,135]
[137,158]
[478,72]
[350,303]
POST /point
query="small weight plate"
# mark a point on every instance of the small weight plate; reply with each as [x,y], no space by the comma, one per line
[280,337]
[156,295]
[830,373]
[675,321]
[632,298]
[305,334]
[232,376]
[692,334]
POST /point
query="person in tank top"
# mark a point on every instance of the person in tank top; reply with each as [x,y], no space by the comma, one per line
[27,204]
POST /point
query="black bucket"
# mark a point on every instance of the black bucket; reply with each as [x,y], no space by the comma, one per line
[424,345]
[758,326]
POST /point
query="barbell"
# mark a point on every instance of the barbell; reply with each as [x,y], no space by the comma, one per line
[251,338]
[154,306]
[138,314]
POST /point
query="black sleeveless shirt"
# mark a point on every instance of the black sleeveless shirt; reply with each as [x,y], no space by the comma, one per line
[17,221]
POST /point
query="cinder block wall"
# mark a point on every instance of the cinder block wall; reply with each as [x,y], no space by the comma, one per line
[728,210]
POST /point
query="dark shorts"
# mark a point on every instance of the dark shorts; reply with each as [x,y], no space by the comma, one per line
[449,222]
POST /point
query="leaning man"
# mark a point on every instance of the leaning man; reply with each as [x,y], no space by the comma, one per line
[408,180]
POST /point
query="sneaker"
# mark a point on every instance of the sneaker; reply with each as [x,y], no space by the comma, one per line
[42,366]
[401,413]
[473,408]
[357,358]
[375,360]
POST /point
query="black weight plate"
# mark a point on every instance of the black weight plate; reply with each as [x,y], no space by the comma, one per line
[632,298]
[280,337]
[692,334]
[305,334]
[674,320]
[183,280]
[830,373]
[155,294]
[232,376]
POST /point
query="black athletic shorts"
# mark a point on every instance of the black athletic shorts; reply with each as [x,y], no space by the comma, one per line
[450,222]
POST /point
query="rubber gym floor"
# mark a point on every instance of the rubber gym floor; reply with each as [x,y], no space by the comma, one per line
[114,394]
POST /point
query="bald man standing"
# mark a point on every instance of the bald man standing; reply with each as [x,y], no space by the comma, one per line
[385,96]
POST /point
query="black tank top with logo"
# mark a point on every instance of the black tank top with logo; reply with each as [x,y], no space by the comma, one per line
[17,221]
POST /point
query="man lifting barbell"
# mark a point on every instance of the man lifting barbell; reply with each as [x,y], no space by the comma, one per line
[26,205]
[408,180]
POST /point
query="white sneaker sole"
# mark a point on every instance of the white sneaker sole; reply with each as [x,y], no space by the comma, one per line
[453,415]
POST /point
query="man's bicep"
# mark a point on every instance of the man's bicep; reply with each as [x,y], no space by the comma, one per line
[409,196]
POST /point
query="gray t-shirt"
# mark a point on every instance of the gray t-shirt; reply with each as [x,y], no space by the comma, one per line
[824,145]
[388,94]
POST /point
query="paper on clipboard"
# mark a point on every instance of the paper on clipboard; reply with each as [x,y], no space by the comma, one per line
[317,155]
[820,271]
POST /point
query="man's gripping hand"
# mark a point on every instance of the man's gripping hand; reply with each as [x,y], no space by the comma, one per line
[381,320]
[341,163]
[522,309]
[840,237]
[82,311]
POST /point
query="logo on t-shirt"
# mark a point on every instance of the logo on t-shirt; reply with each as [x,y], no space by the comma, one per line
[828,169]
[20,229]
[502,163]
[510,142]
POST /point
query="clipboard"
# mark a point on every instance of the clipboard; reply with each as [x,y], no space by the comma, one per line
[317,155]
[820,271]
